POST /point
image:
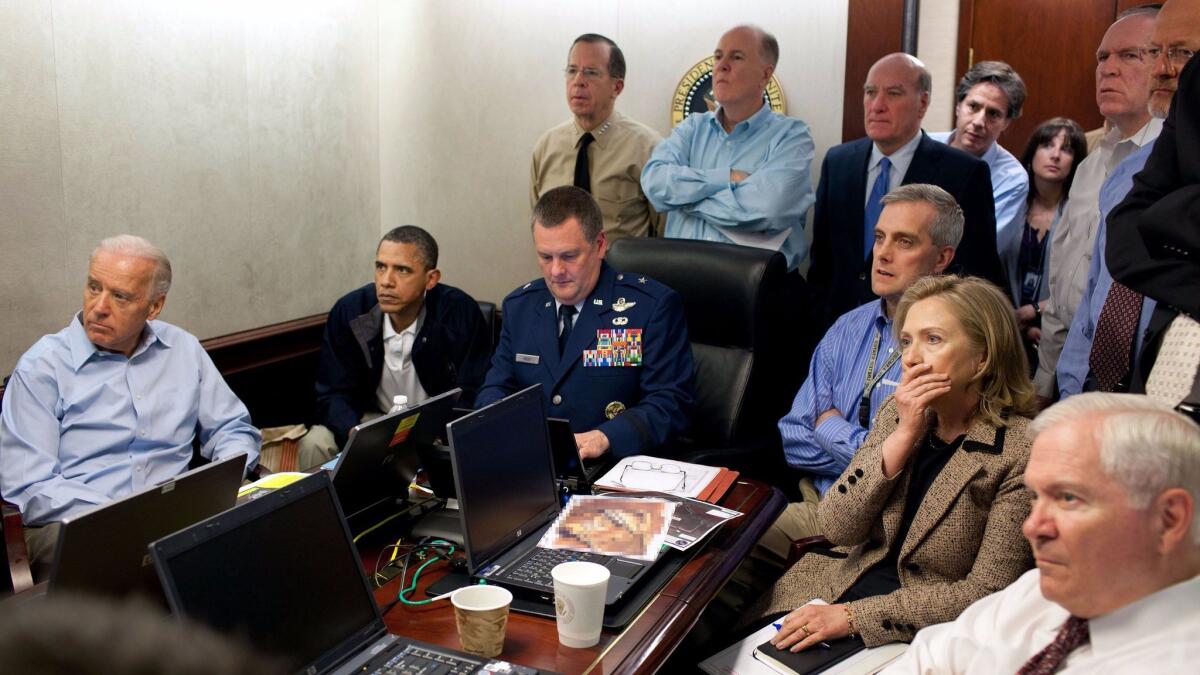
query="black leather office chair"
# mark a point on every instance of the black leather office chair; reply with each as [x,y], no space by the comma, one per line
[744,325]
[489,319]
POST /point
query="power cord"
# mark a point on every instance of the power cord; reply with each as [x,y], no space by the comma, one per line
[441,549]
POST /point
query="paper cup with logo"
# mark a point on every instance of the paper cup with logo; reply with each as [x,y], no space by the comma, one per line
[482,615]
[579,589]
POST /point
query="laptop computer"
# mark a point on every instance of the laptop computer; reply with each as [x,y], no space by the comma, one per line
[282,573]
[507,498]
[103,551]
[382,456]
[574,473]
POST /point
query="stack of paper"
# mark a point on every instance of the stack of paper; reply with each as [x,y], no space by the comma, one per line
[641,473]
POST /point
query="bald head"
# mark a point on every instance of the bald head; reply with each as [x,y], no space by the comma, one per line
[895,98]
[768,46]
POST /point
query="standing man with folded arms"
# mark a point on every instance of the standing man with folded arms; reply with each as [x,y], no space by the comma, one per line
[738,174]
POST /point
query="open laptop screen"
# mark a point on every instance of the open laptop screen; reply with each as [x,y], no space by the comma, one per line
[504,473]
[280,571]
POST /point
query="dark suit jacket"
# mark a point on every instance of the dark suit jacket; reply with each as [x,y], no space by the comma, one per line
[451,351]
[655,397]
[1154,233]
[839,277]
[965,541]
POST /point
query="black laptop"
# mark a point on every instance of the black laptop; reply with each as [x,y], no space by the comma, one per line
[103,551]
[507,498]
[382,456]
[575,474]
[282,573]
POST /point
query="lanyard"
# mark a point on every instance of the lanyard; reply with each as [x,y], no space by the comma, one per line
[871,379]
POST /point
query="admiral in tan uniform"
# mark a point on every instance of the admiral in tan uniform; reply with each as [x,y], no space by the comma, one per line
[610,349]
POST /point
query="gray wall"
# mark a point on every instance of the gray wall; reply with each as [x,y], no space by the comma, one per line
[266,144]
[241,137]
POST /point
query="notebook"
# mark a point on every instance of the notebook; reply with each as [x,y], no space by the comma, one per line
[282,572]
[103,551]
[382,455]
[507,497]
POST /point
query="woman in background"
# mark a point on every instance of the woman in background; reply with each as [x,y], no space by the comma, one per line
[1054,150]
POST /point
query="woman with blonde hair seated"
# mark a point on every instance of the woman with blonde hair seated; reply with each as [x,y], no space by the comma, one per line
[927,517]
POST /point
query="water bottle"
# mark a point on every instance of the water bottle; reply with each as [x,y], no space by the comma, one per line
[399,402]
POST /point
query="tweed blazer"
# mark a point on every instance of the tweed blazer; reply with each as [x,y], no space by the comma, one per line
[965,541]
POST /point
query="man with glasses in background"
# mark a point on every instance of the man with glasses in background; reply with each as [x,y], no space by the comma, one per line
[598,149]
[1155,231]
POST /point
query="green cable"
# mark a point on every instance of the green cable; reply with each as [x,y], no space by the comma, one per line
[427,563]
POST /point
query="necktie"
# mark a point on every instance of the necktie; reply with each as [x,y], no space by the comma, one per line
[874,207]
[565,312]
[582,178]
[1174,370]
[1115,329]
[1072,634]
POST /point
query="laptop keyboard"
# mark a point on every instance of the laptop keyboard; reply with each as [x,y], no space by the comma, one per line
[414,660]
[535,569]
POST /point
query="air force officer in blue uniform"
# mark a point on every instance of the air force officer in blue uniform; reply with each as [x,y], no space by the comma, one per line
[610,349]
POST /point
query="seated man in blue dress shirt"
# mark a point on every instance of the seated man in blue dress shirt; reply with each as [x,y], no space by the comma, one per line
[738,174]
[856,366]
[610,349]
[988,98]
[110,404]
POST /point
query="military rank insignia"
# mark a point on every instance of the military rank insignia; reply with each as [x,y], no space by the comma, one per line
[615,347]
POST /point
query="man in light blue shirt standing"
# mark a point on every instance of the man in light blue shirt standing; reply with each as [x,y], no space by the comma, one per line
[739,174]
[110,405]
[988,98]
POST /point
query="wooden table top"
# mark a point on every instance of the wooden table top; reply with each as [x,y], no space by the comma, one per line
[646,642]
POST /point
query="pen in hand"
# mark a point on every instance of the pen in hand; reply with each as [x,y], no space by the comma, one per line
[822,645]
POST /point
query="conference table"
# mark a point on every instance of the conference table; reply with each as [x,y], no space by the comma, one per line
[649,639]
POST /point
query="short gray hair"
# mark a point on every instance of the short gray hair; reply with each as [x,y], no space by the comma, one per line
[947,226]
[1000,74]
[137,247]
[1144,445]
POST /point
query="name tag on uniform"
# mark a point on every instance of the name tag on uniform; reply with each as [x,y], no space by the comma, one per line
[528,358]
[615,348]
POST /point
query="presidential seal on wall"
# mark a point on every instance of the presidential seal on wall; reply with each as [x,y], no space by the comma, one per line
[694,93]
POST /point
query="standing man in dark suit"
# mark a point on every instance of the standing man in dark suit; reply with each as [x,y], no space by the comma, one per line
[1154,234]
[895,98]
[610,349]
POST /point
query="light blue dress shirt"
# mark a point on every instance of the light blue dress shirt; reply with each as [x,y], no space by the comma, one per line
[835,380]
[1073,368]
[81,426]
[1010,186]
[687,177]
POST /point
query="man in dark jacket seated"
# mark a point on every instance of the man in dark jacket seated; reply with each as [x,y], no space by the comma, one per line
[434,338]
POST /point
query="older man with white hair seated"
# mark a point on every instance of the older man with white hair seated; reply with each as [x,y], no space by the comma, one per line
[1117,544]
[111,404]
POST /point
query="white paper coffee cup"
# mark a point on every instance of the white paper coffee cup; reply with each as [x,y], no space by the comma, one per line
[579,589]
